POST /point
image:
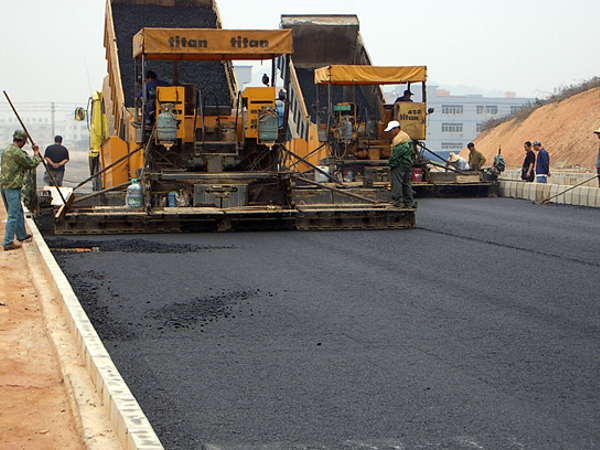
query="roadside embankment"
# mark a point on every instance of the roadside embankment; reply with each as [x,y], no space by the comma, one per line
[36,404]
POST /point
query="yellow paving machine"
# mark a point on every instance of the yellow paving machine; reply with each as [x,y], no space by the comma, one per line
[338,110]
[193,152]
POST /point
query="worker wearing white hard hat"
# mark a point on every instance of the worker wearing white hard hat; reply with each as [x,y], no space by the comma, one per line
[400,162]
[458,162]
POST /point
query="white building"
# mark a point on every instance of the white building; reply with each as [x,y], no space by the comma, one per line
[458,119]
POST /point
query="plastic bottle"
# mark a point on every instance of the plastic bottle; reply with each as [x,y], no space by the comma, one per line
[172,202]
[134,197]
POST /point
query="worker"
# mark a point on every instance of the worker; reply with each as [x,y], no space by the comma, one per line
[400,162]
[406,97]
[280,107]
[152,82]
[476,158]
[56,156]
[458,162]
[15,163]
[597,132]
[542,167]
[3,201]
[528,163]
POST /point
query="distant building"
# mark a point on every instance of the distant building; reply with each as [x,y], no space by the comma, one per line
[43,127]
[458,119]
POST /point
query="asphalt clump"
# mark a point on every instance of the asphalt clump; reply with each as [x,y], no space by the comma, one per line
[198,312]
[127,246]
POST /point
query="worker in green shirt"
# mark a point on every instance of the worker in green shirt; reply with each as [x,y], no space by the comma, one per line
[15,163]
[401,162]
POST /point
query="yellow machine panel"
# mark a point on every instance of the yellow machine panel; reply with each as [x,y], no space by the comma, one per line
[98,126]
[412,119]
[255,100]
[111,150]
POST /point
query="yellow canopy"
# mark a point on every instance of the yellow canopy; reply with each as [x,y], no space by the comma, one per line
[210,44]
[347,75]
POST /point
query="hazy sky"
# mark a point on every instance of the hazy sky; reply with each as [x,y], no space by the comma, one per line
[53,51]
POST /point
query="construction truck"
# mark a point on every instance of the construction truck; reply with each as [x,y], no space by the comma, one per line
[339,111]
[193,152]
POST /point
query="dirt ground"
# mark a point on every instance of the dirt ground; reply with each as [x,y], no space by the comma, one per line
[565,130]
[35,410]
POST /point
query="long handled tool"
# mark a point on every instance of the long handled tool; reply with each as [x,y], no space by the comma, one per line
[547,200]
[300,158]
[33,143]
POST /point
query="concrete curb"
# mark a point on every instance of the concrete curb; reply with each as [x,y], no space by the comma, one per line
[132,428]
[579,196]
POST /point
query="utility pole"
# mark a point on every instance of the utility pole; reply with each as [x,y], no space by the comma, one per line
[52,118]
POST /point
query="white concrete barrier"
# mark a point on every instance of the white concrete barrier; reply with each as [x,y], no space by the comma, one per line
[560,178]
[588,194]
[529,191]
[596,197]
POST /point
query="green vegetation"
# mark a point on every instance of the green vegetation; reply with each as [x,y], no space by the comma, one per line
[526,110]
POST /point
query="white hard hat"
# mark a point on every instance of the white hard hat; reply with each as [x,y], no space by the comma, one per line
[391,125]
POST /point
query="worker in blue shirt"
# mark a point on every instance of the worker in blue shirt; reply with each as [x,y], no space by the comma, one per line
[542,167]
[152,82]
[406,97]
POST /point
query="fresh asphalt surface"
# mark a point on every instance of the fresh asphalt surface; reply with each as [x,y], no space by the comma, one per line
[479,329]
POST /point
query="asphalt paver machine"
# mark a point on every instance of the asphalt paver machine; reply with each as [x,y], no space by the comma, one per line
[210,157]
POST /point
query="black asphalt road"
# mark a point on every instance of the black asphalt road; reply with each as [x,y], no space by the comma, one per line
[480,329]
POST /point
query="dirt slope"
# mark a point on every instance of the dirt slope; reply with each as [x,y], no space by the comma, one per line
[35,410]
[563,128]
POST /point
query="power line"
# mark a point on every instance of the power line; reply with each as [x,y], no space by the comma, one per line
[41,107]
